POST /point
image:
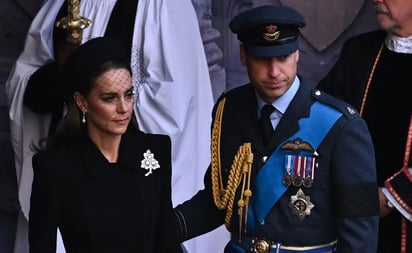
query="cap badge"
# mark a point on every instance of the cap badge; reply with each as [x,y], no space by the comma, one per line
[271,33]
[149,163]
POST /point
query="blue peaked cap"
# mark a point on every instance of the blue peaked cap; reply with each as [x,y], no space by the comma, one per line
[268,30]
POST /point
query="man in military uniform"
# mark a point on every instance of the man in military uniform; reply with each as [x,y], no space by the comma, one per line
[295,176]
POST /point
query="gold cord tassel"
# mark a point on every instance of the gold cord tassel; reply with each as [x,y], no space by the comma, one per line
[240,169]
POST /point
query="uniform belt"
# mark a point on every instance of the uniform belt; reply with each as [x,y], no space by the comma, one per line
[259,245]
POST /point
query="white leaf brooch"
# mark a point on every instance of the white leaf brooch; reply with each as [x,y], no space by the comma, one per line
[149,163]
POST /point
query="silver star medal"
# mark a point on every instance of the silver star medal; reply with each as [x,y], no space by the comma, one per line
[300,204]
[149,163]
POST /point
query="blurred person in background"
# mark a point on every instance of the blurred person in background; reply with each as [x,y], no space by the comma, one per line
[372,74]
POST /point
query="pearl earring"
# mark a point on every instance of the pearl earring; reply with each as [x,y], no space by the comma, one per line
[84,118]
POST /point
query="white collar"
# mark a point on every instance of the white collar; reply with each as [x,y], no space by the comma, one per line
[399,44]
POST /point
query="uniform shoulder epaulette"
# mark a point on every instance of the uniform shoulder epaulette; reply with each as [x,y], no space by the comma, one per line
[221,97]
[234,94]
[348,110]
[236,91]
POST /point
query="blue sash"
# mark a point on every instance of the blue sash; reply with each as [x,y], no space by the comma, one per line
[268,186]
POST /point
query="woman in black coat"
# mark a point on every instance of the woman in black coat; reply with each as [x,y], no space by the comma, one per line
[103,183]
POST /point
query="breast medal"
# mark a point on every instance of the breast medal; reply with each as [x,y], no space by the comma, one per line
[287,179]
[300,204]
[299,170]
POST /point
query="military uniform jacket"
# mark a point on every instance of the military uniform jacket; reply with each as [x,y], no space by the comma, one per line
[100,206]
[344,190]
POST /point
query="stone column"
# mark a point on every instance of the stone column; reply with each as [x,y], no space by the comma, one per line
[213,52]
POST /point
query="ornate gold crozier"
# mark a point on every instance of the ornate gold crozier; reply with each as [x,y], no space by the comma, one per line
[73,22]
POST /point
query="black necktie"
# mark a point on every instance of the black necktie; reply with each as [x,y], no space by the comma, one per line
[266,125]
